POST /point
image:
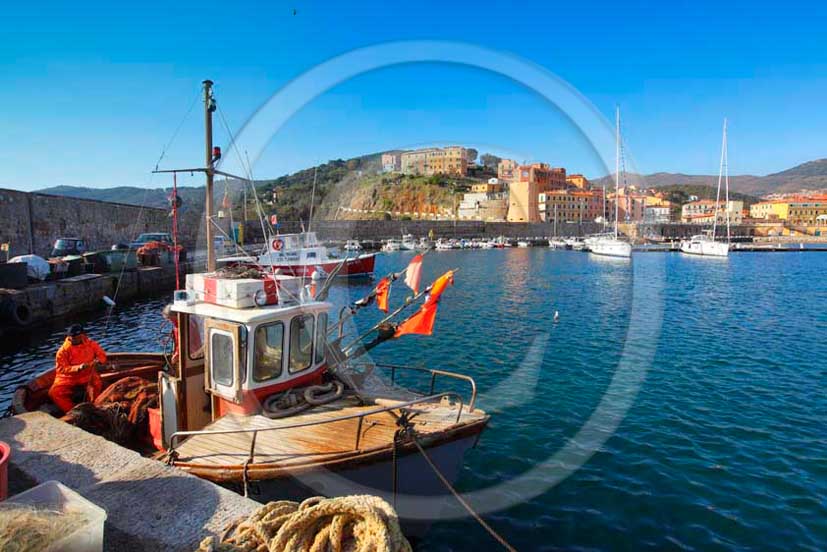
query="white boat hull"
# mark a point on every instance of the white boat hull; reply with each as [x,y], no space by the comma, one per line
[705,248]
[611,248]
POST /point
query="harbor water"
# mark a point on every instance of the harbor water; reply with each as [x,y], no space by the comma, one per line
[716,438]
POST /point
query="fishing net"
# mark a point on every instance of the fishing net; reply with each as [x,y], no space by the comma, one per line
[28,529]
[120,413]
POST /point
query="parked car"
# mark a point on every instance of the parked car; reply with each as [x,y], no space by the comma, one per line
[68,246]
[143,239]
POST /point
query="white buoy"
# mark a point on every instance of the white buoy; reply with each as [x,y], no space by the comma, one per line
[108,301]
[556,316]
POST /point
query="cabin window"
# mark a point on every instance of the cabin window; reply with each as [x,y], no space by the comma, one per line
[321,337]
[195,336]
[311,255]
[269,350]
[301,342]
[221,358]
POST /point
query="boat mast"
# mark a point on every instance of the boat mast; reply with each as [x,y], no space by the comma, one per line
[726,179]
[617,165]
[718,194]
[209,107]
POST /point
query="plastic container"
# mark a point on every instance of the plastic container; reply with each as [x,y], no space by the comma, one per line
[53,495]
[5,453]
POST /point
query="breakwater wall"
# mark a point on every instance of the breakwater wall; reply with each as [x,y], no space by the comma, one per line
[33,221]
[384,229]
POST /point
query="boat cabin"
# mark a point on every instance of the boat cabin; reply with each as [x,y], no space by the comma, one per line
[231,359]
[298,249]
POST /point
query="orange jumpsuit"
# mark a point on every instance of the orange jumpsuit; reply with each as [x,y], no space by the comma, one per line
[68,376]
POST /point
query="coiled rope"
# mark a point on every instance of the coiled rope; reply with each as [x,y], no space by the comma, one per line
[359,523]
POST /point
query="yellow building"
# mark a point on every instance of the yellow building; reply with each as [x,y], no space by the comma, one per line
[451,160]
[578,181]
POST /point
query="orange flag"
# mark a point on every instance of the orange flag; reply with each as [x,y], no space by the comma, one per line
[383,290]
[413,274]
[422,323]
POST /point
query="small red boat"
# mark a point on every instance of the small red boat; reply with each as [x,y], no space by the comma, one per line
[302,254]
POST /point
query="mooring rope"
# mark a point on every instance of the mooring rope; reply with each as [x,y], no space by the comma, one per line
[499,538]
[346,523]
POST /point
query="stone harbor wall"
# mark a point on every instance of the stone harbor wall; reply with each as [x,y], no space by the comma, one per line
[31,222]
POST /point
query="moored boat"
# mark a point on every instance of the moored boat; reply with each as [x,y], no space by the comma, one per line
[707,245]
[302,255]
[259,393]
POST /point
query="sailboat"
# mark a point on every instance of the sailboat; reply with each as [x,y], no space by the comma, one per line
[610,245]
[263,395]
[704,244]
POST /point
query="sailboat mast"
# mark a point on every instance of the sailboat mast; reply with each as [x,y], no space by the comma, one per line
[617,165]
[726,179]
[718,194]
[209,107]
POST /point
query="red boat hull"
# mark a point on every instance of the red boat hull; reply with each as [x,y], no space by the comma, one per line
[354,267]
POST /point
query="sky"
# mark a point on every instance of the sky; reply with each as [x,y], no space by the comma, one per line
[92,93]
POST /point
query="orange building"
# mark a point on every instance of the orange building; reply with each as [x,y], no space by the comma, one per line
[578,181]
[506,169]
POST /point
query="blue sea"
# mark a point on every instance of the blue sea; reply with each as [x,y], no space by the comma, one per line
[677,403]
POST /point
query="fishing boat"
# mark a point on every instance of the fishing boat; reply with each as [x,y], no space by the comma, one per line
[706,245]
[302,254]
[443,245]
[522,243]
[611,245]
[264,395]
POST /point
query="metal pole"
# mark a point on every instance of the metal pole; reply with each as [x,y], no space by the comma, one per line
[208,206]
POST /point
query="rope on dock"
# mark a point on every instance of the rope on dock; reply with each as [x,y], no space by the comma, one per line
[318,524]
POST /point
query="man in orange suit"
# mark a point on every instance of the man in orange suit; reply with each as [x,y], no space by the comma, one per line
[76,369]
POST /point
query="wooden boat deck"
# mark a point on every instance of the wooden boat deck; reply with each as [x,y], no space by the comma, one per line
[315,443]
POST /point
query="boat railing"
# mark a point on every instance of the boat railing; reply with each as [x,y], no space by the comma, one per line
[360,416]
[434,373]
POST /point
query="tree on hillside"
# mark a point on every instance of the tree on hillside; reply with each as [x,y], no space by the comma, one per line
[490,161]
[471,155]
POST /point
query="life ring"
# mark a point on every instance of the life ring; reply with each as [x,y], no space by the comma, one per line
[278,243]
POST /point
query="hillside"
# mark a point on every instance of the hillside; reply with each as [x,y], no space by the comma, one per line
[345,187]
[192,196]
[807,176]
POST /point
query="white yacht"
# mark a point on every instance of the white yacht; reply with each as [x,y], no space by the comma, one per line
[352,245]
[392,245]
[610,245]
[408,243]
[706,245]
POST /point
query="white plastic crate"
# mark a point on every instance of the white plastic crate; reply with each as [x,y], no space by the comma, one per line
[53,495]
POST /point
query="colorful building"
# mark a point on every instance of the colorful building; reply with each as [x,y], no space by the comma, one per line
[451,160]
[506,169]
[803,210]
[703,212]
[570,205]
[578,181]
[392,162]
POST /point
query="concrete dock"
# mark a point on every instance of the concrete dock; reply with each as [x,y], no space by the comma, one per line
[40,302]
[150,506]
